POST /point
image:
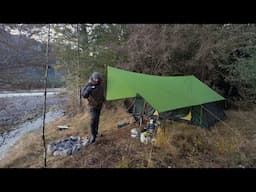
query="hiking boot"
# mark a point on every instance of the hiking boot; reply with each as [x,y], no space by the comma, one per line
[92,140]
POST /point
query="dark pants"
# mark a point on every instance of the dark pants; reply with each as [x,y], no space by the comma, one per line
[95,118]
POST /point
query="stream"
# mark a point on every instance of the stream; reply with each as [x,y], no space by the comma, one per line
[22,113]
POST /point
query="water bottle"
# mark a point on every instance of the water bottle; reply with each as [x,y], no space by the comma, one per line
[151,126]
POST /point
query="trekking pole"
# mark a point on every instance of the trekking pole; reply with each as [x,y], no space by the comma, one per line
[45,93]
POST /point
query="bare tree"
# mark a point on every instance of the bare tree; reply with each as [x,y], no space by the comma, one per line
[78,68]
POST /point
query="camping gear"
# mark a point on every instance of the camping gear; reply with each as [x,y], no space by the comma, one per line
[148,133]
[66,146]
[156,113]
[62,127]
[144,137]
[169,96]
[122,124]
[188,117]
[147,137]
[150,126]
[134,133]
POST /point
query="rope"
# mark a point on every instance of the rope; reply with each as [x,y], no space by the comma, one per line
[131,104]
[216,117]
[225,124]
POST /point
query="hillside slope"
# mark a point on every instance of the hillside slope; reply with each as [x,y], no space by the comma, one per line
[228,144]
[22,61]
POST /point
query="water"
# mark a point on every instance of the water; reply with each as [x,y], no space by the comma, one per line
[18,102]
[10,138]
[3,95]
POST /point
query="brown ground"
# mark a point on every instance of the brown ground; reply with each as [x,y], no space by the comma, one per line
[228,144]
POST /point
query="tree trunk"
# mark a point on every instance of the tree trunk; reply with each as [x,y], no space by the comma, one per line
[78,68]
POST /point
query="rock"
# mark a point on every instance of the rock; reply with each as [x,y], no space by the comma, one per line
[66,152]
[73,138]
[51,149]
[56,153]
[2,141]
[73,150]
[76,148]
[68,145]
[69,151]
[62,153]
[61,147]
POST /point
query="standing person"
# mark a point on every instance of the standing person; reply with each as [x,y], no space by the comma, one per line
[94,92]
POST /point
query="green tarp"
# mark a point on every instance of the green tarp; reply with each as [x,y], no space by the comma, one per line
[162,93]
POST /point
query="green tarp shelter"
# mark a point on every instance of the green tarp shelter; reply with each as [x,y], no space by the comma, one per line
[161,92]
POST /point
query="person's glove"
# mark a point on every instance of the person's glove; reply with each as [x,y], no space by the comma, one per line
[90,88]
[87,90]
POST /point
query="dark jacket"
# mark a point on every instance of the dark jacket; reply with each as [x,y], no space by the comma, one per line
[94,93]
